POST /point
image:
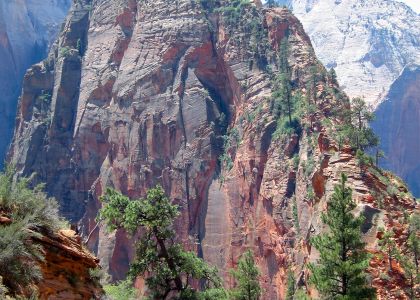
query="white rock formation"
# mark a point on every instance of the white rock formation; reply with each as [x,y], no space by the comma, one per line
[368,42]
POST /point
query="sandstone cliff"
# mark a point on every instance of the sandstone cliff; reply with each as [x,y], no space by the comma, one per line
[27,28]
[66,270]
[140,93]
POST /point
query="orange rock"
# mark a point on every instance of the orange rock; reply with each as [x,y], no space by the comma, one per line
[5,220]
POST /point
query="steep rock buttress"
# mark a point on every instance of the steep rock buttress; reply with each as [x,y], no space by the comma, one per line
[179,93]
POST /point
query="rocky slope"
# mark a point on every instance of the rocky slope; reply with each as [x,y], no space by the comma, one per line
[179,93]
[370,43]
[27,28]
[396,124]
[66,268]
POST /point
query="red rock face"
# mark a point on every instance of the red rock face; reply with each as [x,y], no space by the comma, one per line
[152,97]
[66,269]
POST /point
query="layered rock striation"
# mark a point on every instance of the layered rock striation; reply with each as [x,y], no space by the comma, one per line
[27,29]
[68,268]
[179,93]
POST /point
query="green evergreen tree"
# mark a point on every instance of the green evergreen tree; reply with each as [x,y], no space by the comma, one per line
[246,276]
[169,270]
[387,244]
[340,273]
[410,259]
[291,282]
[356,125]
[333,75]
[414,241]
[282,89]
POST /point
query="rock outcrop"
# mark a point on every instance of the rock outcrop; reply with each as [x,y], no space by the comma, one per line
[397,126]
[179,93]
[27,28]
[67,268]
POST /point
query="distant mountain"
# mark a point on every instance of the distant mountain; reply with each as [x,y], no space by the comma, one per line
[27,28]
[397,123]
[368,42]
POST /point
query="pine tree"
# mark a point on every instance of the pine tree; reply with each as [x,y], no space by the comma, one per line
[291,281]
[356,126]
[410,260]
[333,75]
[246,276]
[414,242]
[387,244]
[340,271]
[282,89]
[169,270]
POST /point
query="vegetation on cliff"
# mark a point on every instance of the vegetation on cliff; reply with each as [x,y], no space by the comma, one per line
[341,270]
[24,213]
[246,276]
[169,270]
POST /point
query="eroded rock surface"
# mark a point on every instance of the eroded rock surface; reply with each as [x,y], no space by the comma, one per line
[180,94]
[67,268]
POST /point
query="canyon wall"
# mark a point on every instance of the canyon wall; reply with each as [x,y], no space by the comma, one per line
[397,125]
[179,93]
[27,29]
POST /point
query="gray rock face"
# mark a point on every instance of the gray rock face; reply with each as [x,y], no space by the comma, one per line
[397,124]
[27,28]
[368,42]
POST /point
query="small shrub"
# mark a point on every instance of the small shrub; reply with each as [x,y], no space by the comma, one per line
[391,190]
[45,97]
[296,160]
[72,279]
[310,167]
[384,277]
[65,51]
[122,290]
[30,211]
[295,215]
[300,294]
[311,194]
[284,127]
